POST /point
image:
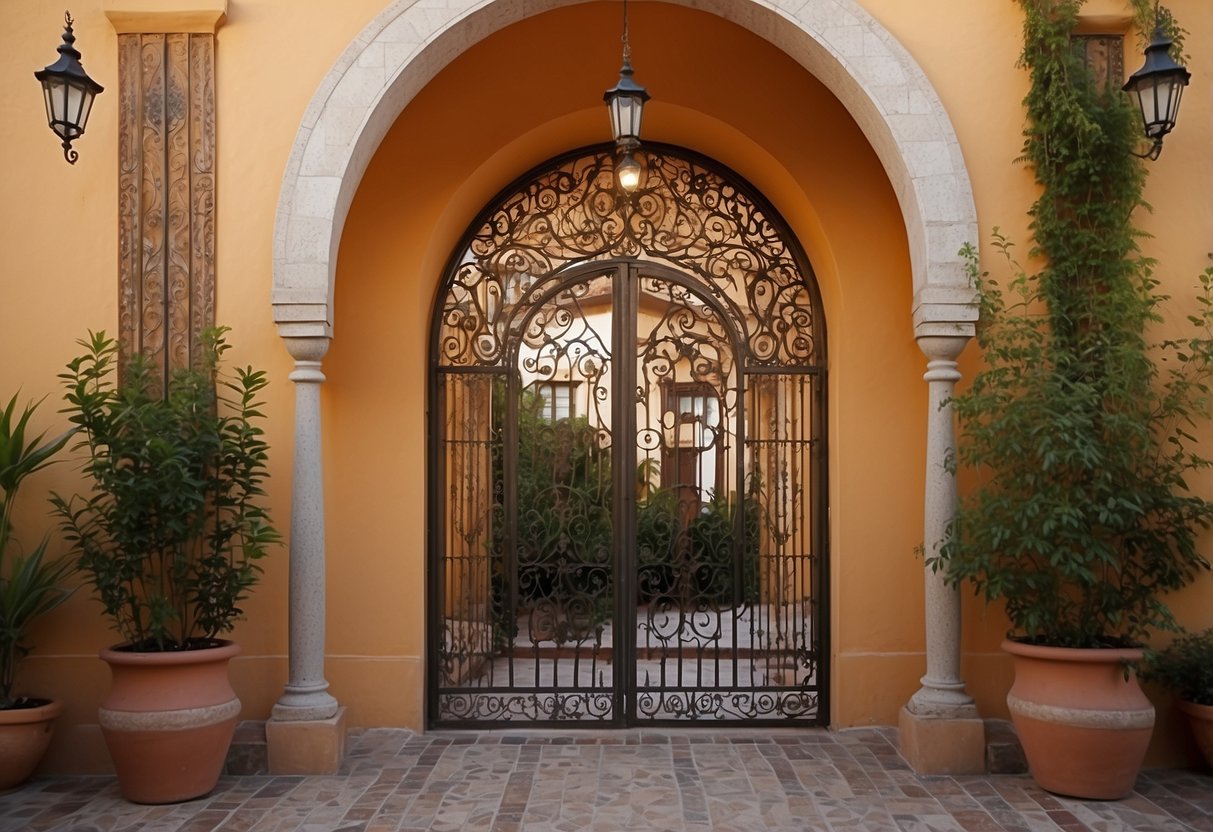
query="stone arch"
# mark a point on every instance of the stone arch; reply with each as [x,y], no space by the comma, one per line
[397,55]
[837,41]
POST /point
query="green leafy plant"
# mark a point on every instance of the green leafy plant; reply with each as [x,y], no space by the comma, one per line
[1185,667]
[1078,428]
[171,534]
[31,584]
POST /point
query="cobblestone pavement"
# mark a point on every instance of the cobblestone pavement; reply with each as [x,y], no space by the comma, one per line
[632,780]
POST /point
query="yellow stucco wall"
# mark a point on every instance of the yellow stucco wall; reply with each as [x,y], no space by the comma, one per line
[518,97]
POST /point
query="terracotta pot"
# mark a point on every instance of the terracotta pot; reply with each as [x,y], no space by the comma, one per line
[24,735]
[1084,727]
[168,721]
[1200,720]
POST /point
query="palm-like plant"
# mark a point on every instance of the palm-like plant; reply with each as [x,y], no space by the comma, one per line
[31,584]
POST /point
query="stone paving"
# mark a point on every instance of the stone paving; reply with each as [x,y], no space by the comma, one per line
[631,780]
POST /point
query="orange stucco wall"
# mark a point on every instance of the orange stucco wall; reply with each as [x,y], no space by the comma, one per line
[518,97]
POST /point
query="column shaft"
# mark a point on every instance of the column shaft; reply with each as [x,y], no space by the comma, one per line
[306,695]
[942,692]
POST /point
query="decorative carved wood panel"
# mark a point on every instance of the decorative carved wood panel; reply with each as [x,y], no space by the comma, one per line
[166,194]
[1105,56]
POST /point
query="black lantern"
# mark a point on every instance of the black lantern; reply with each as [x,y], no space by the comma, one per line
[69,92]
[625,102]
[1158,86]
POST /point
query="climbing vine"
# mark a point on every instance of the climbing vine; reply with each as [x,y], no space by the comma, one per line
[1079,426]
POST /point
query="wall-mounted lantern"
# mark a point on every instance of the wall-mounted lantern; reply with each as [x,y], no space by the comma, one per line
[68,91]
[1157,87]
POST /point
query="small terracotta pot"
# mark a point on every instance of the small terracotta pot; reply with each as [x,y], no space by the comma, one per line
[1084,727]
[168,721]
[24,735]
[1200,720]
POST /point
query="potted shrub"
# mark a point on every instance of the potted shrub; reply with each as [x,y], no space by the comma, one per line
[1186,669]
[31,584]
[169,538]
[1076,433]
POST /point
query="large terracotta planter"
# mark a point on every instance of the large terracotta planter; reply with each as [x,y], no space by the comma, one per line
[1200,720]
[168,721]
[1084,727]
[24,735]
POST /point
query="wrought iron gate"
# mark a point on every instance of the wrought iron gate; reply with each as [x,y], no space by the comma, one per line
[627,457]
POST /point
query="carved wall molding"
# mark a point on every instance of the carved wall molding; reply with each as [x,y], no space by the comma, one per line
[166,194]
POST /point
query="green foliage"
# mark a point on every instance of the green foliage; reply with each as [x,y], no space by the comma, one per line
[1147,16]
[30,584]
[1078,427]
[689,553]
[171,534]
[1185,668]
[564,529]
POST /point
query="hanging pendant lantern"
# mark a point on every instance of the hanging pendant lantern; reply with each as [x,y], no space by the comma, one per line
[625,103]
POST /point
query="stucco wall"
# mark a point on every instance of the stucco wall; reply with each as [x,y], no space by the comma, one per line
[522,95]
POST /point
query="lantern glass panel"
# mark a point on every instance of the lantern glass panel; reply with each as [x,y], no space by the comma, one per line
[1176,86]
[1147,103]
[626,111]
[635,111]
[76,108]
[86,107]
[48,94]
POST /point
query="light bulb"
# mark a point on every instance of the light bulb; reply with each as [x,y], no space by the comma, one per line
[628,174]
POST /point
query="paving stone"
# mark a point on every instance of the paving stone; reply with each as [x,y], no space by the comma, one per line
[690,781]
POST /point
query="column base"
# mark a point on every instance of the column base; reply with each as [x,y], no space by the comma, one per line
[306,746]
[943,745]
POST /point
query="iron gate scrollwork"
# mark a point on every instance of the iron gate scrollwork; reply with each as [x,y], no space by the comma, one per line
[627,464]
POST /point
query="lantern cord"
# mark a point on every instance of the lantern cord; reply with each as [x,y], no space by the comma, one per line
[627,46]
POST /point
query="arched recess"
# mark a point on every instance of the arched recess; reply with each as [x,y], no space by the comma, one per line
[837,41]
[404,48]
[627,456]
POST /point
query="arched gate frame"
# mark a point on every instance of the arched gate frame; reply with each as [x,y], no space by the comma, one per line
[627,456]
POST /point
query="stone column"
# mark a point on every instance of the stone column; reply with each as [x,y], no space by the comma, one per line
[306,732]
[941,731]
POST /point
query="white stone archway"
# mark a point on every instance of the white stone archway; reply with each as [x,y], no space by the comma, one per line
[401,50]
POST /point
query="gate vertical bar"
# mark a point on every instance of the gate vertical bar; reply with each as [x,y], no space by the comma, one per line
[623,463]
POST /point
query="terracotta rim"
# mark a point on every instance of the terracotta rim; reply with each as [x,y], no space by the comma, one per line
[1094,655]
[1193,709]
[21,716]
[225,650]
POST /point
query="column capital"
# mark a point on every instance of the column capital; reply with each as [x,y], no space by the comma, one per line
[307,352]
[943,347]
[307,348]
[948,310]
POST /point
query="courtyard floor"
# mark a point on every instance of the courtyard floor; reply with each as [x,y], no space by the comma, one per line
[631,780]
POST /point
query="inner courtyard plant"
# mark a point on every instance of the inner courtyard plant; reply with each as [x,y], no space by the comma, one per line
[1185,667]
[171,535]
[1079,428]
